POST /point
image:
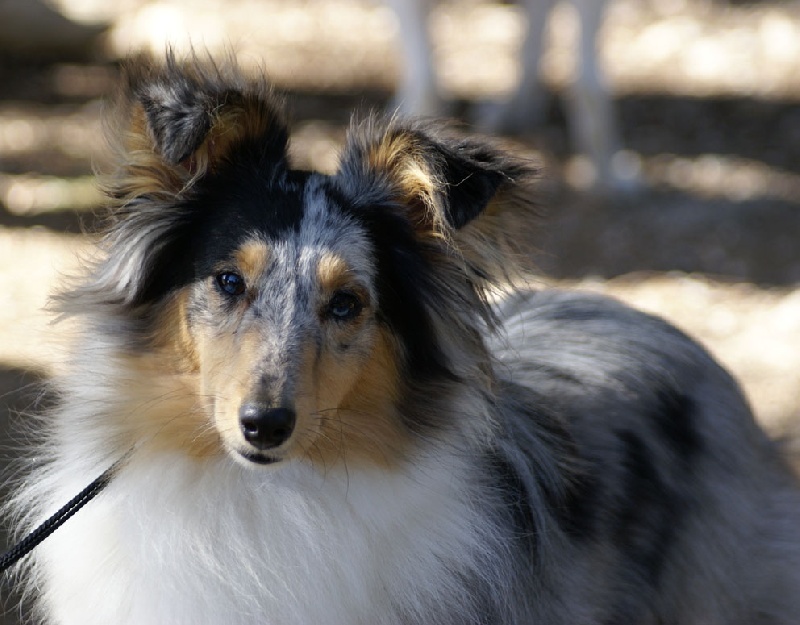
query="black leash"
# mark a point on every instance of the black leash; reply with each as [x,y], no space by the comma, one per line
[32,540]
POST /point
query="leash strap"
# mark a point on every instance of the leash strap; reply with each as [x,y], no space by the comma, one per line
[32,540]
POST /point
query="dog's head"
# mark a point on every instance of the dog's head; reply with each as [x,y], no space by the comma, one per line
[313,311]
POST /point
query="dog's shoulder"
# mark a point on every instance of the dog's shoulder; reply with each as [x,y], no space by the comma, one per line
[655,436]
[621,377]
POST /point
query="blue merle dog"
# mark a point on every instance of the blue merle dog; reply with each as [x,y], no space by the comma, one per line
[336,420]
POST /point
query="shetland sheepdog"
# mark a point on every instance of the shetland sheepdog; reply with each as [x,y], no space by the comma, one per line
[330,417]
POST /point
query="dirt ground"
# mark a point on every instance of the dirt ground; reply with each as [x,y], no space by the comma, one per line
[707,95]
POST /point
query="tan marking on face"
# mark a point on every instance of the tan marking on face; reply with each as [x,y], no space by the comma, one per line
[191,384]
[161,391]
[345,399]
[355,420]
[165,411]
[227,377]
[332,272]
[172,335]
[252,259]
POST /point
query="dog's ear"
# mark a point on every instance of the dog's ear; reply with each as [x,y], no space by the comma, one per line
[443,180]
[174,124]
[179,120]
[463,191]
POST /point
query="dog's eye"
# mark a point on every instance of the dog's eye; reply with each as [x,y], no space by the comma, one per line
[344,306]
[231,283]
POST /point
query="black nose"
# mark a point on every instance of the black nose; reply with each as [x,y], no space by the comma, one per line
[265,427]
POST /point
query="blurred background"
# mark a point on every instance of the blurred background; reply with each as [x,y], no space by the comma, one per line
[706,96]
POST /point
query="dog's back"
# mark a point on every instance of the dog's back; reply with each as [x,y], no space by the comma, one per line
[684,511]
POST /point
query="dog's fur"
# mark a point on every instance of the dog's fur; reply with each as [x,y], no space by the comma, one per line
[558,458]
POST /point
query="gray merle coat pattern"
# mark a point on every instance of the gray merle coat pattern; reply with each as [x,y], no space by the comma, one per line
[333,421]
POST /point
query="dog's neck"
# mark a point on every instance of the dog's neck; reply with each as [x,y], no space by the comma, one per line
[319,541]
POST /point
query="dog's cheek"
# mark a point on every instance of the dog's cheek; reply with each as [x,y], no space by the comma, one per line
[222,377]
[338,371]
[362,385]
[325,374]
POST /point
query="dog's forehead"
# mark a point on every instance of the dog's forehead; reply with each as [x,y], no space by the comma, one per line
[324,231]
[325,223]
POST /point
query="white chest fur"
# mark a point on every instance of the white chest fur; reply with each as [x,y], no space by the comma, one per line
[173,542]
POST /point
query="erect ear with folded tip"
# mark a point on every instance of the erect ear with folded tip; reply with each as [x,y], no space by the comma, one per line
[178,118]
[182,119]
[176,123]
[443,180]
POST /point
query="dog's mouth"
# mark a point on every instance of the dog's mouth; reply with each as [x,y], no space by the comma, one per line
[258,458]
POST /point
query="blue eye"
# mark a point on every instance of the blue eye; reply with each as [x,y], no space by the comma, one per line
[344,306]
[231,283]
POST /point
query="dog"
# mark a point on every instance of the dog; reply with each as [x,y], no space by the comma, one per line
[336,408]
[589,105]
